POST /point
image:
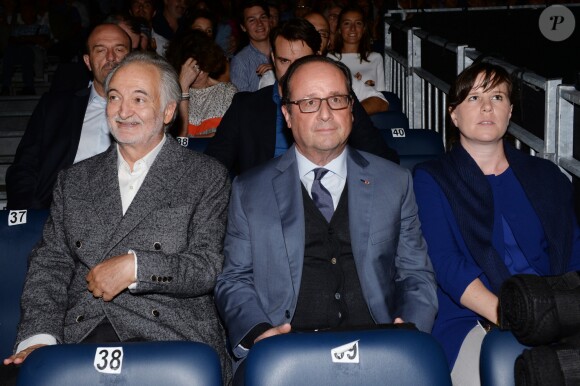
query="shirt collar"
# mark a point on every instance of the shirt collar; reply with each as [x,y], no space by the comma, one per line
[94,96]
[146,161]
[336,166]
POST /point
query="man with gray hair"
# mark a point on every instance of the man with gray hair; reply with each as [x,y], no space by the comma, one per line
[132,247]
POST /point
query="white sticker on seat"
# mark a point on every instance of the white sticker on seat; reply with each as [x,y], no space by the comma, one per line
[398,132]
[109,360]
[347,353]
[16,217]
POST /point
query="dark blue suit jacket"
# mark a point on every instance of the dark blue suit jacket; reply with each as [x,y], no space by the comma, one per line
[264,245]
[49,145]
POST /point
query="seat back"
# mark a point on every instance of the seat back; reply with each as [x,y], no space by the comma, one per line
[135,363]
[395,103]
[390,120]
[499,352]
[197,144]
[19,232]
[369,357]
[414,145]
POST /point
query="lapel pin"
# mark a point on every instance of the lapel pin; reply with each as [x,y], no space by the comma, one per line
[366,182]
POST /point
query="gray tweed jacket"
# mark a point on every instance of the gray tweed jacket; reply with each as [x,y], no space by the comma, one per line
[175,224]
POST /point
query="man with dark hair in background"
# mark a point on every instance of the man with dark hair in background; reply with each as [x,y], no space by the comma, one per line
[251,62]
[253,130]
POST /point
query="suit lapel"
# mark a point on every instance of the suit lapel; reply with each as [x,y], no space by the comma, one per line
[106,195]
[154,192]
[79,108]
[287,189]
[361,186]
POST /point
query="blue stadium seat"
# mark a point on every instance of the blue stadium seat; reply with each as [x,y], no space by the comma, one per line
[390,120]
[141,363]
[16,242]
[365,357]
[198,144]
[395,103]
[414,145]
[499,352]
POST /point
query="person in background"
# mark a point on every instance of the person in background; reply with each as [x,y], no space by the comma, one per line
[253,129]
[303,220]
[353,47]
[27,45]
[302,7]
[66,127]
[145,11]
[274,8]
[253,60]
[167,22]
[200,62]
[202,20]
[332,12]
[132,246]
[488,211]
[133,27]
[371,100]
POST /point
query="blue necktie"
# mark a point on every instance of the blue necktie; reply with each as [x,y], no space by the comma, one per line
[321,196]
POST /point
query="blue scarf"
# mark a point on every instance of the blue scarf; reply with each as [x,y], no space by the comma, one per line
[471,200]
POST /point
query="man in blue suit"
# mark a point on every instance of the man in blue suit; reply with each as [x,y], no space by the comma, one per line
[324,236]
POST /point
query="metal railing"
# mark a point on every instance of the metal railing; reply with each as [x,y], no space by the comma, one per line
[424,94]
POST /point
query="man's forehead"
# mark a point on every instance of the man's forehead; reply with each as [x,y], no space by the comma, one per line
[312,77]
[282,43]
[136,76]
[110,35]
[254,11]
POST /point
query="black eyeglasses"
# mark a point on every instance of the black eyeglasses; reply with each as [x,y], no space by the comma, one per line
[312,105]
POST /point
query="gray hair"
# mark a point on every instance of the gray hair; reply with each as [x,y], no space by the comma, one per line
[169,87]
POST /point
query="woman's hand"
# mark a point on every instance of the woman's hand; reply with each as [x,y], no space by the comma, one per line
[188,74]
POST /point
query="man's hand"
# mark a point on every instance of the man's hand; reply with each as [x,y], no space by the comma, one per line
[263,68]
[20,356]
[281,329]
[398,321]
[112,276]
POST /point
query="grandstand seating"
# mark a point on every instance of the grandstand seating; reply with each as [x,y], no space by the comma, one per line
[198,144]
[363,357]
[414,145]
[134,363]
[390,120]
[395,103]
[499,352]
[16,242]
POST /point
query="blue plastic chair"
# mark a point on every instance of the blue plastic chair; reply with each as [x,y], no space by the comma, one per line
[390,120]
[414,145]
[141,363]
[369,357]
[16,242]
[395,103]
[499,352]
[198,144]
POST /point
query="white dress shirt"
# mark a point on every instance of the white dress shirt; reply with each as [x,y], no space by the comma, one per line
[333,181]
[95,137]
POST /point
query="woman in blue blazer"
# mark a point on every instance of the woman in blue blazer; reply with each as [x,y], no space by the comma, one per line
[488,211]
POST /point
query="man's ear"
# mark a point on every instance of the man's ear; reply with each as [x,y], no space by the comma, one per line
[87,61]
[286,114]
[169,112]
